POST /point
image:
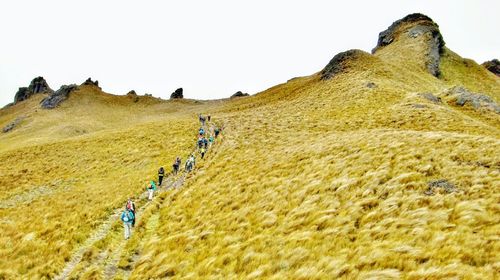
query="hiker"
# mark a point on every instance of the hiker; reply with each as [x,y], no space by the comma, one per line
[127,218]
[202,152]
[176,165]
[202,120]
[161,173]
[131,206]
[208,117]
[211,140]
[217,131]
[151,190]
[205,142]
[190,162]
[201,131]
[200,142]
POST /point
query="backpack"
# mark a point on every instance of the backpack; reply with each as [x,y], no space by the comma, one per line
[126,216]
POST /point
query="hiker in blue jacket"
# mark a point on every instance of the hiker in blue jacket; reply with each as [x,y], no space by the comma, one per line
[127,218]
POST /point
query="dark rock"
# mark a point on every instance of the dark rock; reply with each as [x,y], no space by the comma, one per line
[11,125]
[37,85]
[239,94]
[493,66]
[54,99]
[177,94]
[8,105]
[338,63]
[431,97]
[418,25]
[148,94]
[440,185]
[89,82]
[371,85]
[132,92]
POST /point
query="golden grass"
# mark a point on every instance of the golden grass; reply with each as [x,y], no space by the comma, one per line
[313,180]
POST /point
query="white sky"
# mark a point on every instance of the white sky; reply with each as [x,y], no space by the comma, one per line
[210,48]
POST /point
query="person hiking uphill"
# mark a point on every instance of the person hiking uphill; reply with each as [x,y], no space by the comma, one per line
[208,118]
[161,173]
[217,131]
[202,152]
[190,162]
[127,218]
[176,165]
[205,143]
[202,120]
[201,132]
[131,206]
[200,142]
[211,140]
[151,189]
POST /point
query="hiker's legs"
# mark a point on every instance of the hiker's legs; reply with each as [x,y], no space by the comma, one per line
[150,194]
[133,221]
[160,179]
[126,227]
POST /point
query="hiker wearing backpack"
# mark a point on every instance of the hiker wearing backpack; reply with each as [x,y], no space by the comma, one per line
[161,173]
[201,132]
[211,140]
[202,120]
[127,218]
[176,165]
[217,131]
[131,206]
[202,152]
[200,142]
[205,143]
[151,189]
[190,163]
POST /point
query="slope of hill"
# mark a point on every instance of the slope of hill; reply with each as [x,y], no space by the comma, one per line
[381,166]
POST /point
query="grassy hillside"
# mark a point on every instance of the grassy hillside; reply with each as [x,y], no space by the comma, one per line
[312,179]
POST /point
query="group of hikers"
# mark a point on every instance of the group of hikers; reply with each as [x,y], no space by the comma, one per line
[202,144]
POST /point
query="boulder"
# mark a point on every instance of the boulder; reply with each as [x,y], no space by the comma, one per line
[339,63]
[431,97]
[460,96]
[414,26]
[493,66]
[54,99]
[132,92]
[239,94]
[177,94]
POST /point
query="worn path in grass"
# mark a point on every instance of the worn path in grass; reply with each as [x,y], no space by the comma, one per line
[110,254]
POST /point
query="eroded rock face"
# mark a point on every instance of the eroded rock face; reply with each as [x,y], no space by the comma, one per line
[37,85]
[54,99]
[338,63]
[239,94]
[177,94]
[493,66]
[414,26]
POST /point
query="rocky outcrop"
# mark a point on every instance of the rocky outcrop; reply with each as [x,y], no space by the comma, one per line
[239,94]
[339,63]
[431,97]
[493,66]
[460,96]
[177,94]
[414,26]
[12,125]
[37,85]
[54,99]
[132,92]
[89,82]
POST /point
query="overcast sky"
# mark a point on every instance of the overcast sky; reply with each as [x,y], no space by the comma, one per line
[210,48]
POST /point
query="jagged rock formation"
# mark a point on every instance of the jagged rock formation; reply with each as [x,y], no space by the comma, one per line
[413,26]
[239,94]
[339,63]
[37,85]
[132,92]
[177,94]
[54,99]
[91,83]
[493,66]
